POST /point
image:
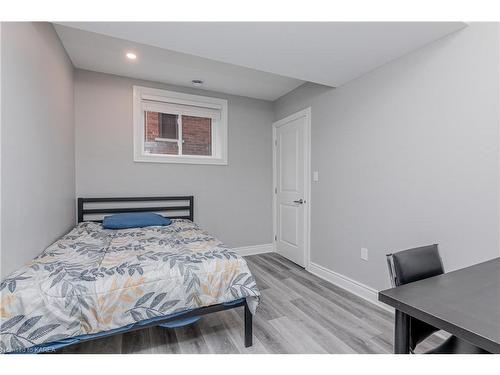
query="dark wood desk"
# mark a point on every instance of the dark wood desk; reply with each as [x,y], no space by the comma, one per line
[465,303]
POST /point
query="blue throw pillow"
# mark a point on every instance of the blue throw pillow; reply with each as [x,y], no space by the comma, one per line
[134,220]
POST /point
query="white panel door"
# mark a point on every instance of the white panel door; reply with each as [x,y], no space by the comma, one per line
[290,187]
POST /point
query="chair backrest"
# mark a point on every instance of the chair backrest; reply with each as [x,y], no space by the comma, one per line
[412,265]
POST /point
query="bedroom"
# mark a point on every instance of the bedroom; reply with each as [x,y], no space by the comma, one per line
[235,187]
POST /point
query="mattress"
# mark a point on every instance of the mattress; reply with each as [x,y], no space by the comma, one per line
[96,280]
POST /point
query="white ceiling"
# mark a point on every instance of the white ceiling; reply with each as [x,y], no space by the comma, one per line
[105,54]
[262,60]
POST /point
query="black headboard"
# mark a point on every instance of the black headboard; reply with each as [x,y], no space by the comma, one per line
[186,209]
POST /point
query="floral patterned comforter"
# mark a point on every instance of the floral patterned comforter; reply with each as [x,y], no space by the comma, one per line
[93,280]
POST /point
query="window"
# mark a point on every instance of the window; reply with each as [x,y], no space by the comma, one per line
[172,127]
[168,126]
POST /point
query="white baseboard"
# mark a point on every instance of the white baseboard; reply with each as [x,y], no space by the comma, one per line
[254,250]
[352,286]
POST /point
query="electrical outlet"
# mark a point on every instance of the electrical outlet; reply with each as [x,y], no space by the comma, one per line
[364,253]
[315,176]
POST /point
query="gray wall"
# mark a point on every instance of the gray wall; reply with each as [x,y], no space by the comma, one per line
[38,165]
[233,201]
[407,155]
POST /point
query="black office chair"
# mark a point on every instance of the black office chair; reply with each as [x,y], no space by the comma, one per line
[417,264]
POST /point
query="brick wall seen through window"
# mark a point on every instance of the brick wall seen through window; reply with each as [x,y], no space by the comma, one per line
[196,134]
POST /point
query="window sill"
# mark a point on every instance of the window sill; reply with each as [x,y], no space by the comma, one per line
[171,159]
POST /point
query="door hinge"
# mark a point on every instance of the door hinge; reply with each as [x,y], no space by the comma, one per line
[275,238]
[275,142]
[275,190]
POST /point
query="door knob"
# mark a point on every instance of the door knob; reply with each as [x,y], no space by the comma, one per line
[300,201]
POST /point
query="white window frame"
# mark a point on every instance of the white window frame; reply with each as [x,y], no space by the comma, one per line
[218,130]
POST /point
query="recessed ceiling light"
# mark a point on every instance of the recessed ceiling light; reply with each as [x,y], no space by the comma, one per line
[197,82]
[131,56]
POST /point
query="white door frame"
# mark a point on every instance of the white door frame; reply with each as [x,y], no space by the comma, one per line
[307,181]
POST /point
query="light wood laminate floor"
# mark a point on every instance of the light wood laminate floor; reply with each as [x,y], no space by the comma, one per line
[299,313]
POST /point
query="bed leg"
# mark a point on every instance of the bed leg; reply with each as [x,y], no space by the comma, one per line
[248,327]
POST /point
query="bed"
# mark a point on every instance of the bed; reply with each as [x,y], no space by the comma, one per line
[95,282]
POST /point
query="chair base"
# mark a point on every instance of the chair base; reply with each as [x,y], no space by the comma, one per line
[454,345]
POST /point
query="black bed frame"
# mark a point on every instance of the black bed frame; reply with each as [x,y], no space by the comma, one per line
[189,207]
[165,207]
